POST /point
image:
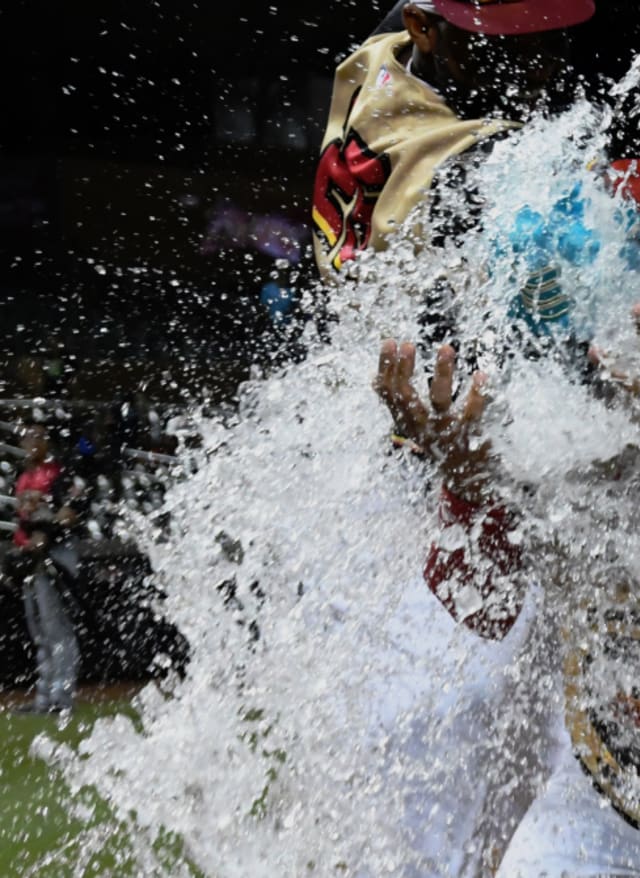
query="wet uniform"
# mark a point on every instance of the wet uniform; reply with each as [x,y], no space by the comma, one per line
[586,821]
[389,138]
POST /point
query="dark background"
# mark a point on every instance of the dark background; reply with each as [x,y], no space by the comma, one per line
[127,129]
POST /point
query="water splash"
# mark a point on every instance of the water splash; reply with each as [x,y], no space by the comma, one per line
[326,746]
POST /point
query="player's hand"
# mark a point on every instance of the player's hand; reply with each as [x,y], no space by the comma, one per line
[449,434]
[606,362]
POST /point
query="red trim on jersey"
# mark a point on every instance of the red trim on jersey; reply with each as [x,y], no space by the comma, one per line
[473,567]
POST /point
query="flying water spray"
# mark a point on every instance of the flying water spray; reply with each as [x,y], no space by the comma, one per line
[332,714]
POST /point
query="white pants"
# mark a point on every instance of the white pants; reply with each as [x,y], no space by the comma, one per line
[467,730]
[571,831]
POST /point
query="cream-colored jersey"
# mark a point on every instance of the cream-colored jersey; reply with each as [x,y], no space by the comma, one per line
[388,132]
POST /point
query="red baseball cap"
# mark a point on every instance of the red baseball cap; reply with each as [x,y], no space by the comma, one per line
[511,17]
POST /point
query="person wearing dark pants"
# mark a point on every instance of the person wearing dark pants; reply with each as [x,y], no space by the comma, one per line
[52,632]
[48,503]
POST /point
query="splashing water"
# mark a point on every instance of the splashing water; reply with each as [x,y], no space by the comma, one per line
[354,726]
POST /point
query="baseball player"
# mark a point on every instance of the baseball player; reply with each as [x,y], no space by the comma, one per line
[359,203]
[411,112]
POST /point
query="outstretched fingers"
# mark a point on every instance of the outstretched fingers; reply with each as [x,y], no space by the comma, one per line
[439,430]
[606,362]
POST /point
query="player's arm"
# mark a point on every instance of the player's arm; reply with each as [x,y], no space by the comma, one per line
[480,584]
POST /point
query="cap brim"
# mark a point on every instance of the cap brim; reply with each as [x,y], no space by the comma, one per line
[515,16]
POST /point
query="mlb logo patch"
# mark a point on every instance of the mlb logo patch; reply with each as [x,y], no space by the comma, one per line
[384,77]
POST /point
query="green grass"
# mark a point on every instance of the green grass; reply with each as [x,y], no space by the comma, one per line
[39,834]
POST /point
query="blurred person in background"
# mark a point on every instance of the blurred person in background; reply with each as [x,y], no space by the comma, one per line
[413,112]
[50,503]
